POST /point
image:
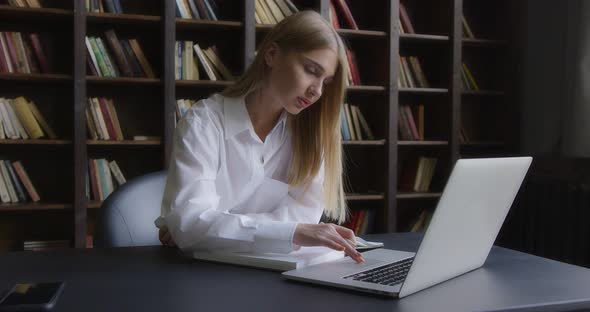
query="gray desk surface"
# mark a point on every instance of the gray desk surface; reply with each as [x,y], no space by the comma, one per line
[160,279]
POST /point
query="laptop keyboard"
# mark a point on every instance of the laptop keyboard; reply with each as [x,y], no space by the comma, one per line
[390,274]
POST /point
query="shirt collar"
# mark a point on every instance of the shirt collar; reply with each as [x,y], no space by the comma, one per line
[236,117]
[237,120]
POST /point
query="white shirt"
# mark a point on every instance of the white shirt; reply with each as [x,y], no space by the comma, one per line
[226,188]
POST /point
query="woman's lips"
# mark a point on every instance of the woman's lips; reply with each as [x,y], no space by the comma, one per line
[302,103]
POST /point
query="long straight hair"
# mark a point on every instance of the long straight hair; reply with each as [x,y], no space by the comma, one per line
[316,135]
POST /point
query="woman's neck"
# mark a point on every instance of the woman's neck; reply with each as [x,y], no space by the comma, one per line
[263,110]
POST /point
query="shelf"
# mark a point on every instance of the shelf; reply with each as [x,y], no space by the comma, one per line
[424,90]
[124,142]
[203,83]
[483,144]
[402,195]
[94,204]
[483,93]
[189,24]
[22,207]
[123,81]
[483,42]
[35,77]
[423,143]
[365,89]
[44,14]
[35,142]
[363,197]
[362,34]
[422,38]
[365,142]
[116,18]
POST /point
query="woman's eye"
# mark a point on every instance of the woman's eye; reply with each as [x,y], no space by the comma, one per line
[311,70]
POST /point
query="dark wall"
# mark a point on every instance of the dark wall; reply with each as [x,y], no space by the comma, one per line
[543,81]
[552,61]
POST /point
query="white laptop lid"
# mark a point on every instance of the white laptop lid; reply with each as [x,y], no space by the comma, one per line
[467,220]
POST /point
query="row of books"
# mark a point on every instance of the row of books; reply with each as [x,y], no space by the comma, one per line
[102,120]
[197,9]
[340,15]
[417,174]
[22,53]
[273,11]
[104,6]
[182,105]
[411,73]
[45,245]
[410,127]
[25,3]
[422,222]
[21,119]
[187,67]
[354,124]
[468,82]
[15,184]
[129,59]
[360,221]
[99,180]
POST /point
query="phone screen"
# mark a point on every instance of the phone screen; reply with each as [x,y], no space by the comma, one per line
[32,294]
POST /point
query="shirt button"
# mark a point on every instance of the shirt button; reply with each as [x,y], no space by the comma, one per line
[262,159]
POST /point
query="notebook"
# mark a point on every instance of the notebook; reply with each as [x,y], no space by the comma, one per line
[304,257]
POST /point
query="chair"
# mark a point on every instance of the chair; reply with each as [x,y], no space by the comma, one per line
[127,216]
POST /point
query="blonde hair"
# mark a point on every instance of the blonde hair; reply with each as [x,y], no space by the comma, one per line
[317,128]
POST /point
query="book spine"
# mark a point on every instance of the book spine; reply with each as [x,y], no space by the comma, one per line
[26,117]
[8,182]
[145,65]
[22,197]
[113,42]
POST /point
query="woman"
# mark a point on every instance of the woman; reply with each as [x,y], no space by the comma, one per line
[254,168]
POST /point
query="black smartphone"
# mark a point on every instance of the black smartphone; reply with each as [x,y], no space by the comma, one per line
[31,297]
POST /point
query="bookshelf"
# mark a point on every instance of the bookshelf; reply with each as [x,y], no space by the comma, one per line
[147,106]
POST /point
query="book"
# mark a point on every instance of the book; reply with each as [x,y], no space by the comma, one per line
[4,196]
[214,59]
[9,185]
[15,121]
[204,62]
[305,256]
[24,178]
[405,19]
[145,65]
[467,32]
[41,120]
[18,186]
[345,12]
[27,118]
[116,171]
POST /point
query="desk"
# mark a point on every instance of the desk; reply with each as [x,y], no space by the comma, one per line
[160,279]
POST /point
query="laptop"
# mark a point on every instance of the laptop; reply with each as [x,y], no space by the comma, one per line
[461,233]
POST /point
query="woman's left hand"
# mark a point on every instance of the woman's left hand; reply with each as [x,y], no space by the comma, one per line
[165,237]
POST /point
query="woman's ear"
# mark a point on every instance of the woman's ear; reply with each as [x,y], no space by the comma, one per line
[270,54]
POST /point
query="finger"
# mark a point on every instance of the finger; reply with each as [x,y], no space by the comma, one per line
[349,248]
[346,233]
[330,243]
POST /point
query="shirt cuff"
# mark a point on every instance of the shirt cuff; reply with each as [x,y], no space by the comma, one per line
[274,236]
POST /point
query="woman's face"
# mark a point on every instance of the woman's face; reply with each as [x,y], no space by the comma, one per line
[297,79]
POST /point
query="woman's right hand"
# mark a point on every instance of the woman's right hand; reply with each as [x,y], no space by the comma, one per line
[329,235]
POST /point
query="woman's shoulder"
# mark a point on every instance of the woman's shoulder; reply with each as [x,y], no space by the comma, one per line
[206,111]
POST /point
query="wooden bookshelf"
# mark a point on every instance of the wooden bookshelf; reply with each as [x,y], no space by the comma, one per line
[146,106]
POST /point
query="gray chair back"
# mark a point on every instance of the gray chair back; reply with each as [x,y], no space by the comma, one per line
[127,216]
